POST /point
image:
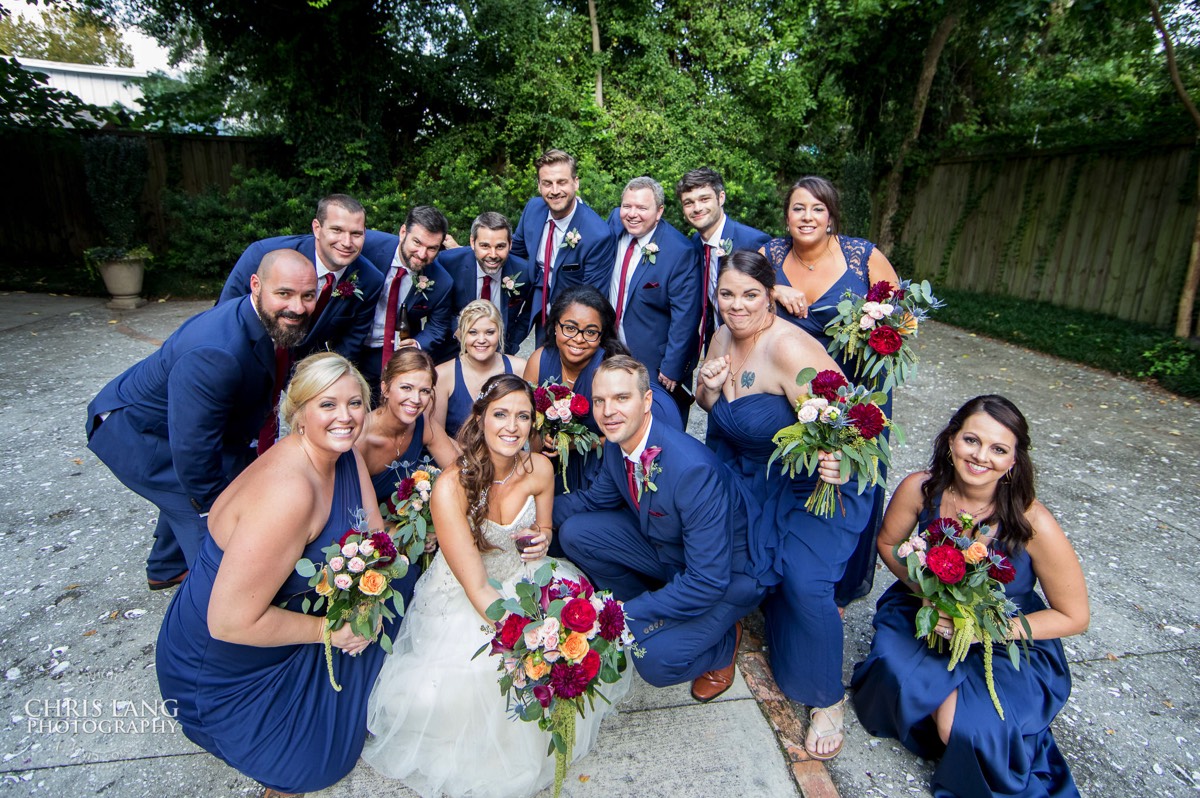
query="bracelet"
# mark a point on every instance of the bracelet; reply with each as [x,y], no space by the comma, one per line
[320,630]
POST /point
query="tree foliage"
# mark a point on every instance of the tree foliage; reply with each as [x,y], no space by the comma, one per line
[70,35]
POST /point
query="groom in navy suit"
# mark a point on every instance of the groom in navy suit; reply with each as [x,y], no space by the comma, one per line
[701,192]
[347,286]
[662,528]
[655,289]
[565,240]
[488,270]
[412,281]
[176,428]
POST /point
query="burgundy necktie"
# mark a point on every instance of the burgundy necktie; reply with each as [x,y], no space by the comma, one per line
[323,299]
[389,319]
[704,295]
[486,293]
[270,427]
[624,275]
[548,261]
[629,477]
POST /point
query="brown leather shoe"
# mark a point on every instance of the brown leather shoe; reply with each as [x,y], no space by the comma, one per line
[711,684]
[269,793]
[163,584]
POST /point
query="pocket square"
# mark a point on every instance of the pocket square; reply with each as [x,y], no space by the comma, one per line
[570,267]
[420,308]
[657,514]
[650,285]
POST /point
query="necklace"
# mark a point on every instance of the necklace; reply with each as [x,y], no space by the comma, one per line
[516,462]
[748,377]
[803,262]
[982,512]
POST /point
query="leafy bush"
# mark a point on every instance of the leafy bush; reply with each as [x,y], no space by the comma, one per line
[116,175]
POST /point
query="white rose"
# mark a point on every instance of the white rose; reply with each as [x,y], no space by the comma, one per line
[866,323]
[808,413]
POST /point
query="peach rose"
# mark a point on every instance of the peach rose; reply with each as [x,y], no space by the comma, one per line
[574,647]
[419,476]
[908,324]
[536,669]
[323,587]
[975,553]
[372,583]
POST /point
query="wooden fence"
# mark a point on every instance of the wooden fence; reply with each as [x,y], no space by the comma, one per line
[1107,231]
[50,219]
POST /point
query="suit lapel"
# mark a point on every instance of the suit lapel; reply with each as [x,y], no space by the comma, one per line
[642,272]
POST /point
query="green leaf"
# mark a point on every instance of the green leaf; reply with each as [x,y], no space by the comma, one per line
[305,605]
[806,375]
[385,643]
[305,567]
[927,618]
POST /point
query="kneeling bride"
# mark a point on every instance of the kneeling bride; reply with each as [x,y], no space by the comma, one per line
[439,721]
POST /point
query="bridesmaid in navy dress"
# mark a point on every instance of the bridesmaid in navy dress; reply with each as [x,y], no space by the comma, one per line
[481,337]
[814,267]
[401,433]
[981,466]
[749,388]
[244,665]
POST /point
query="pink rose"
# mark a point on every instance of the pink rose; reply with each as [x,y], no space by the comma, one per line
[356,565]
[349,549]
[337,563]
[343,581]
[365,548]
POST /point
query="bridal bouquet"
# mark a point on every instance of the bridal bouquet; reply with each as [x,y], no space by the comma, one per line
[956,572]
[558,641]
[354,584]
[875,330]
[559,418]
[835,416]
[408,509]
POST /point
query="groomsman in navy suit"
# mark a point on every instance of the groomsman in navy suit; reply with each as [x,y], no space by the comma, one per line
[701,192]
[176,428]
[347,286]
[412,279]
[488,270]
[568,243]
[662,528]
[655,289]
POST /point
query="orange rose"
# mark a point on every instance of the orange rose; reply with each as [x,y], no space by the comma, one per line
[975,553]
[908,324]
[574,647]
[420,476]
[372,583]
[536,669]
[323,587]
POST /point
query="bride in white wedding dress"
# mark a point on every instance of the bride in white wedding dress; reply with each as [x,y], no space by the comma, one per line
[439,720]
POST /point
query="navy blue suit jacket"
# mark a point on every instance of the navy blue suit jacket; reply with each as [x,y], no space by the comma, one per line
[590,261]
[429,313]
[182,419]
[344,326]
[515,308]
[695,520]
[662,304]
[743,236]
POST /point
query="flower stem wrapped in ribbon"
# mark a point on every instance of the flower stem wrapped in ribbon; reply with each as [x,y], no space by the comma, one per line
[956,571]
[558,641]
[354,584]
[559,411]
[875,331]
[834,416]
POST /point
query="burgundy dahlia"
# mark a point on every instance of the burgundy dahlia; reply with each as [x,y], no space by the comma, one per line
[1003,572]
[826,384]
[383,544]
[868,418]
[542,400]
[879,292]
[568,681]
[612,620]
[560,391]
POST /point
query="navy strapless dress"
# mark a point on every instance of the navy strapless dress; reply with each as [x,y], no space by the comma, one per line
[458,406]
[860,570]
[581,469]
[385,485]
[903,681]
[794,553]
[269,712]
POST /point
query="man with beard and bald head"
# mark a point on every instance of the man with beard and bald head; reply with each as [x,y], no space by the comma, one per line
[347,287]
[176,428]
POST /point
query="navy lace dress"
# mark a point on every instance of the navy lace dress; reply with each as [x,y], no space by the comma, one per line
[902,681]
[860,569]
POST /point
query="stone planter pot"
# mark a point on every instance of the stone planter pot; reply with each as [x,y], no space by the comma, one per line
[123,279]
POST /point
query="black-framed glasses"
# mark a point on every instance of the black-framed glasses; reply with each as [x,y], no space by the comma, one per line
[591,334]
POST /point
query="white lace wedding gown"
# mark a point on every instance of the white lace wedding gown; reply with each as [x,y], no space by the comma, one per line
[439,721]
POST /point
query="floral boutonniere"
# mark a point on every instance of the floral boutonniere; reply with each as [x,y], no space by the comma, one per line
[422,285]
[511,285]
[726,247]
[650,251]
[649,470]
[571,239]
[349,288]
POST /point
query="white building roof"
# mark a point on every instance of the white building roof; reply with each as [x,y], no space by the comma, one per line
[98,85]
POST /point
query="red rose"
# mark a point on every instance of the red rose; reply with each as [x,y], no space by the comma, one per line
[346,537]
[579,615]
[826,384]
[868,418]
[1003,571]
[542,399]
[947,563]
[879,292]
[560,391]
[512,629]
[579,405]
[590,665]
[884,340]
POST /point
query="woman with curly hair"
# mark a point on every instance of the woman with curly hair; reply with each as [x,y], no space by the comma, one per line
[438,720]
[980,466]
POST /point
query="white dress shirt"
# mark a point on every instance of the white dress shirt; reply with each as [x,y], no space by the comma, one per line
[561,226]
[614,286]
[381,308]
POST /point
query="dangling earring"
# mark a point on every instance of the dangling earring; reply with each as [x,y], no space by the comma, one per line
[949,457]
[300,430]
[828,229]
[1007,478]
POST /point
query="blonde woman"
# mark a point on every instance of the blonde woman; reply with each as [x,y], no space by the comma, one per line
[481,338]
